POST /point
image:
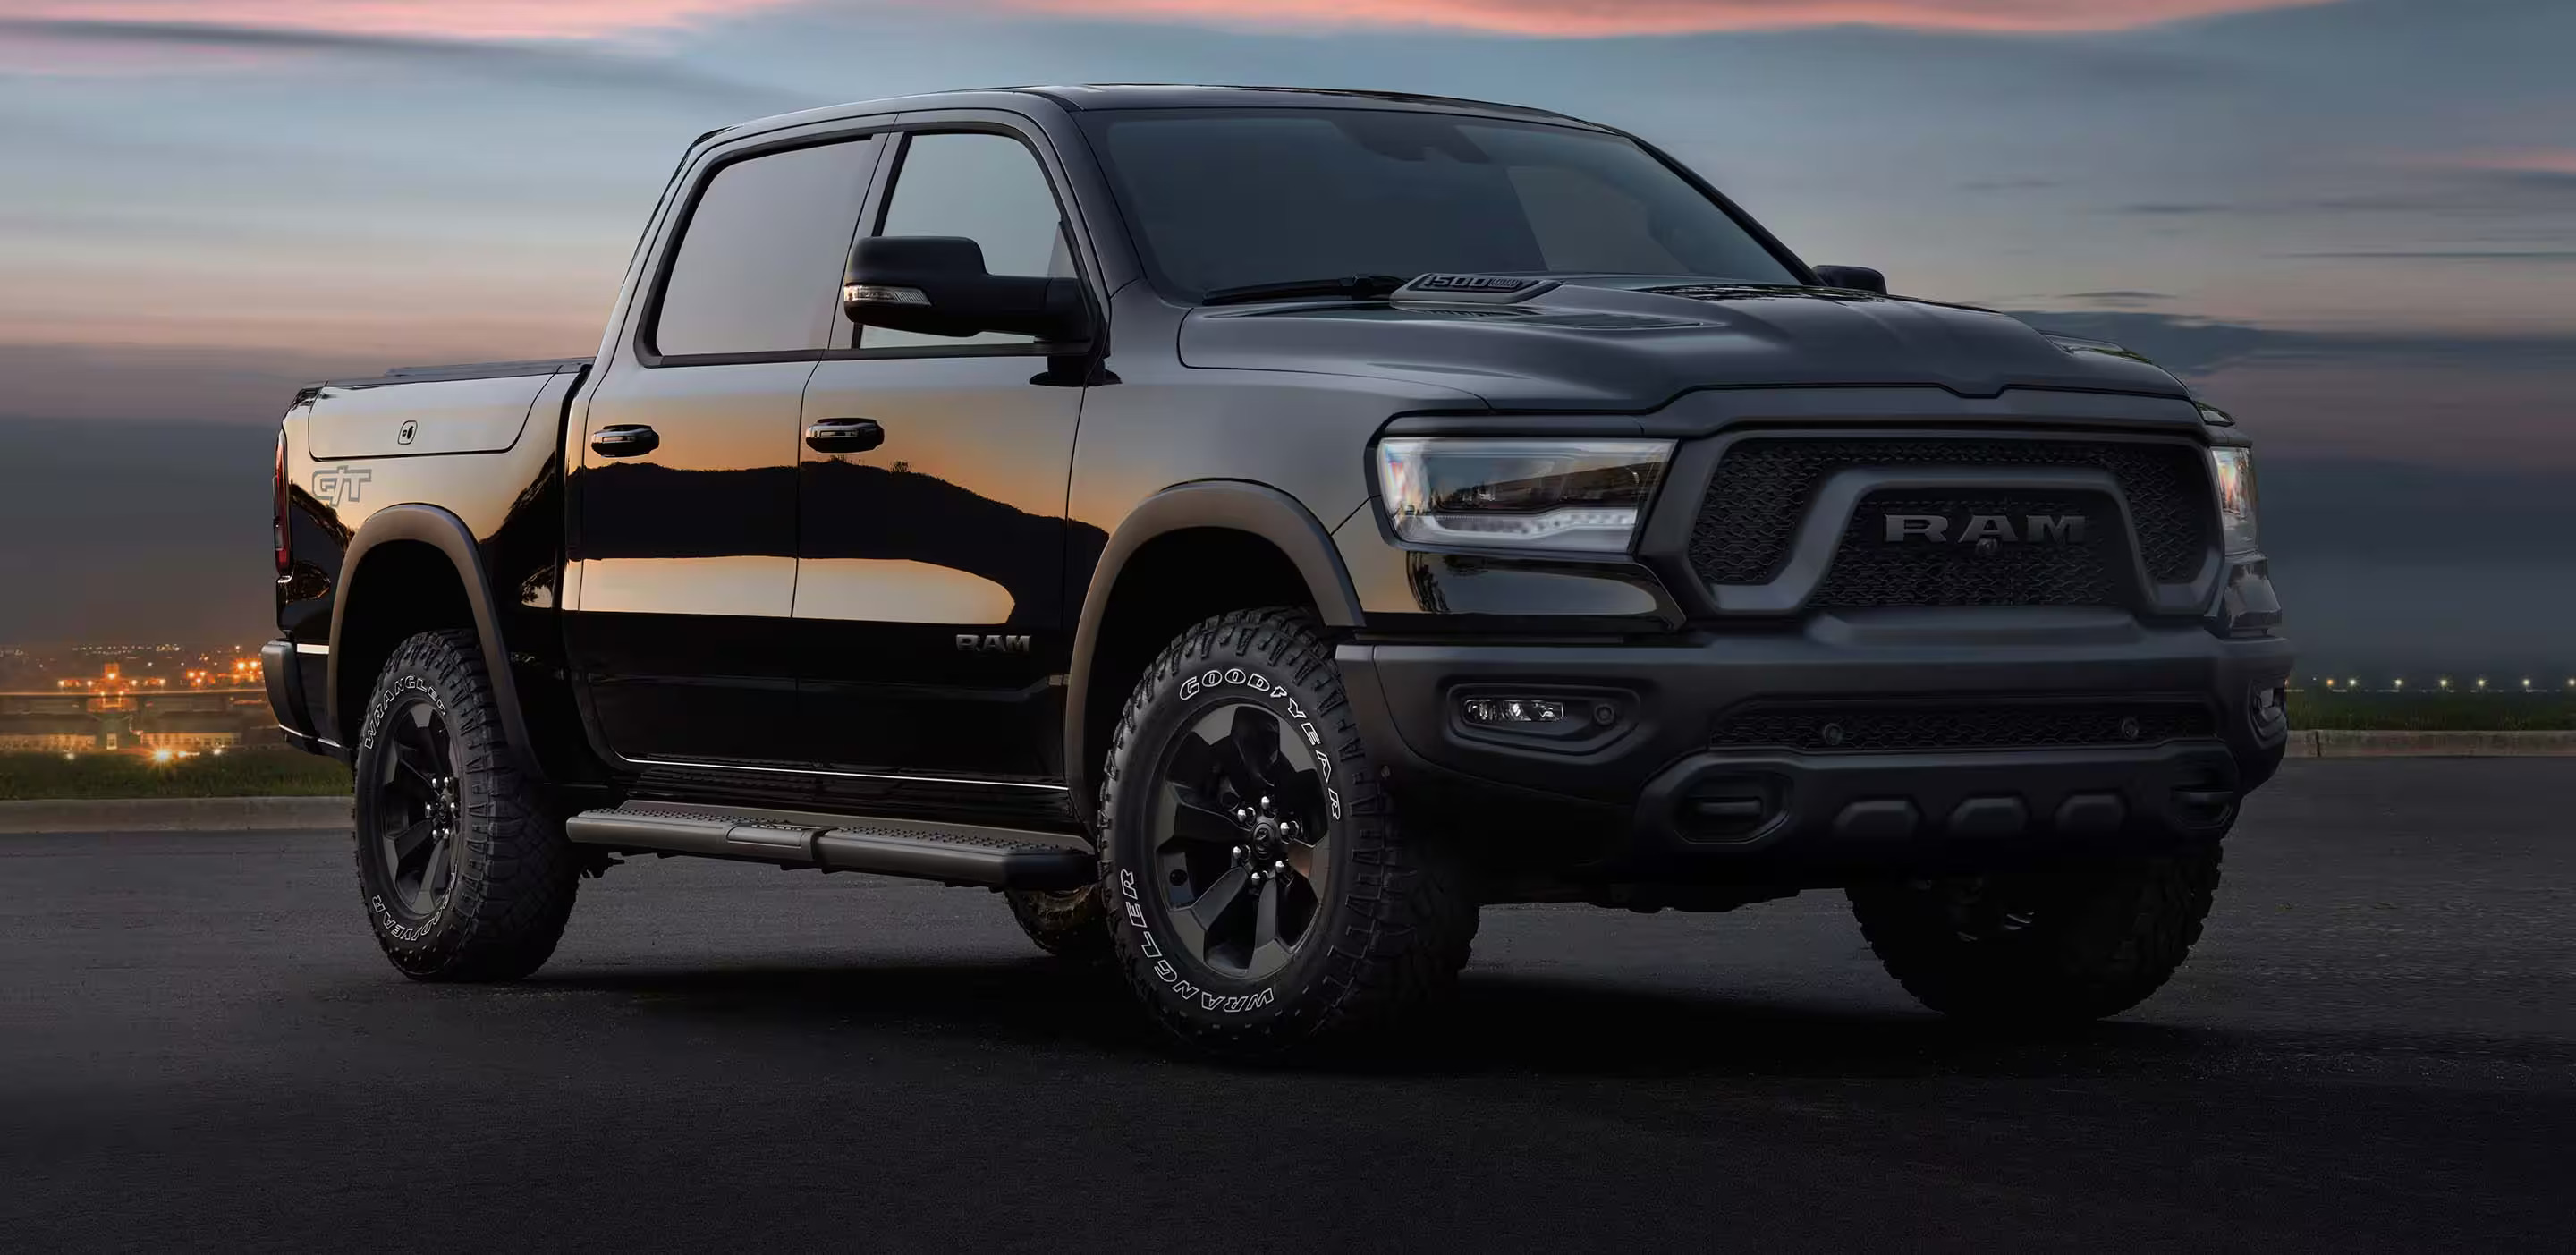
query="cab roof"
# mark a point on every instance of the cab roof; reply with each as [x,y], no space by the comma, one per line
[1081,97]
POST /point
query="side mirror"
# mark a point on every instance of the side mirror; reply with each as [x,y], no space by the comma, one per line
[936,285]
[1860,278]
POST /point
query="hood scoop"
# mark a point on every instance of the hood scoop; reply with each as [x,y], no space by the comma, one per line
[1761,291]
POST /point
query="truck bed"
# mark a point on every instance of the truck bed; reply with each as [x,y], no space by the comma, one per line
[472,408]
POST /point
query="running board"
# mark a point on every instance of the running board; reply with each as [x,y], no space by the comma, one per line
[959,854]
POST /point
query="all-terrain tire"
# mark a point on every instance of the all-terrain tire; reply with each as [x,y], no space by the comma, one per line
[1067,923]
[2041,948]
[1392,920]
[513,874]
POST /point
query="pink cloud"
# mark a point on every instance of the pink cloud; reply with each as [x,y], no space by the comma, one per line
[1578,19]
[590,19]
[445,19]
[2538,161]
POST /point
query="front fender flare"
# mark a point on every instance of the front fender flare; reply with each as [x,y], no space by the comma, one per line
[448,534]
[1227,504]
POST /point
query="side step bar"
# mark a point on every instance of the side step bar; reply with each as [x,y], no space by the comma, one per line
[959,854]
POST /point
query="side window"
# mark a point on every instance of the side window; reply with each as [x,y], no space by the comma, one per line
[759,264]
[988,188]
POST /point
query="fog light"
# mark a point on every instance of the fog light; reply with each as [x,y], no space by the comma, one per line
[1509,711]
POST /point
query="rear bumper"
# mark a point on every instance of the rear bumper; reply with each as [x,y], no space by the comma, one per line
[1650,796]
[289,696]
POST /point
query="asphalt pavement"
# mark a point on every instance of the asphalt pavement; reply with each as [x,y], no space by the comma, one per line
[2374,1048]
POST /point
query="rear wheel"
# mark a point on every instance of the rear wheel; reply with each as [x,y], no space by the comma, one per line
[2041,947]
[1067,923]
[1265,895]
[465,876]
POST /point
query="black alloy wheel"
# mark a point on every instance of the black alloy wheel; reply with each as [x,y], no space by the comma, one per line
[416,810]
[1241,840]
[1261,895]
[1987,908]
[462,863]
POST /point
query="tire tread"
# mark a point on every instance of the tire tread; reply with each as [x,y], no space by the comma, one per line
[1416,919]
[2119,933]
[516,883]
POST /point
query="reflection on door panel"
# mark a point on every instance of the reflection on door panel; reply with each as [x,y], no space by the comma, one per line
[898,590]
[685,561]
[953,527]
[861,523]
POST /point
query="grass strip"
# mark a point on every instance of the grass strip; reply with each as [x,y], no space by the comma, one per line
[236,773]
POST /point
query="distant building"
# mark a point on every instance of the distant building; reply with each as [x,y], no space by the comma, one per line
[187,730]
[53,733]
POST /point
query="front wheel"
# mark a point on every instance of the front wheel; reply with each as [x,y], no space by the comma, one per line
[1264,895]
[465,875]
[2041,947]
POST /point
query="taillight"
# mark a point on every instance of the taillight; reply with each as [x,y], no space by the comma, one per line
[277,516]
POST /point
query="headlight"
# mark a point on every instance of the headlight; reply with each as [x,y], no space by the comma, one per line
[1566,496]
[2235,470]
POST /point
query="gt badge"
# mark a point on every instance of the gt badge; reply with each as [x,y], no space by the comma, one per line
[340,485]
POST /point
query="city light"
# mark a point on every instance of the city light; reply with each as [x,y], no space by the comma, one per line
[162,704]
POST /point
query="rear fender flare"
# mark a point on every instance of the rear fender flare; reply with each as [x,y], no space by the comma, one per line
[448,534]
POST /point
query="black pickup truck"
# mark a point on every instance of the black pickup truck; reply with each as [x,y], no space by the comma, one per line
[1250,529]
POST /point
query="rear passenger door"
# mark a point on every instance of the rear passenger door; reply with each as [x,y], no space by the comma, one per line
[929,592]
[684,519]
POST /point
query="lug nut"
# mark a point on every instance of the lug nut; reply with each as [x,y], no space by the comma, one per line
[1278,866]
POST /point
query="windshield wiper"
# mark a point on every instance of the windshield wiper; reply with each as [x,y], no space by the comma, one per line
[1357,287]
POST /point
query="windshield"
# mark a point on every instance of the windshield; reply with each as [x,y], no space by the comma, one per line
[1231,197]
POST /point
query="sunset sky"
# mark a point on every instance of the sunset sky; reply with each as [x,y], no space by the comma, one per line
[2352,220]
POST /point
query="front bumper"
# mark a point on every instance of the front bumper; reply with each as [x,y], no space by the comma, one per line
[1644,793]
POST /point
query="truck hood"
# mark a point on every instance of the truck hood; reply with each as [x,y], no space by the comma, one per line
[1633,343]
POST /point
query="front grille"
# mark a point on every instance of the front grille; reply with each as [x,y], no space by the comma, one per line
[1936,727]
[1763,487]
[1868,570]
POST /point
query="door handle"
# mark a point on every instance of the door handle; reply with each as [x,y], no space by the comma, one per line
[624,440]
[844,435]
